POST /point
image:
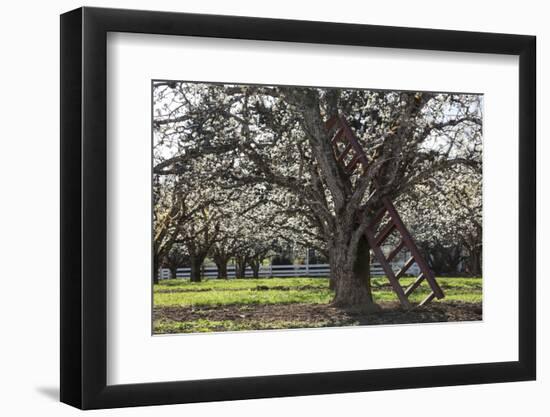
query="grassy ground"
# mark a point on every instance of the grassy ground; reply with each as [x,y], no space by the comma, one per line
[275,303]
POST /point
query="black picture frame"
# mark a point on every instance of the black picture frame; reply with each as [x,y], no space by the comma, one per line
[84,207]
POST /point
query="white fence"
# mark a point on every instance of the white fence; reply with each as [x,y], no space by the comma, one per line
[317,270]
[165,273]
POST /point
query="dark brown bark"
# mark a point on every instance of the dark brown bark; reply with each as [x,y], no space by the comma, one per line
[221,264]
[332,281]
[255,266]
[196,267]
[474,259]
[352,277]
[156,267]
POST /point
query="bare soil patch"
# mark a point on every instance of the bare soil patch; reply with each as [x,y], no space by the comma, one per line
[315,315]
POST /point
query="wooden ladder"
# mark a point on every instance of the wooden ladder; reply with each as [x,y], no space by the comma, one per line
[349,153]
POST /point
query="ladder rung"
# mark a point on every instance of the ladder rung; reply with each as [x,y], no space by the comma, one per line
[389,273]
[344,153]
[414,285]
[405,267]
[397,249]
[422,264]
[352,139]
[383,235]
[349,167]
[426,300]
[337,136]
[377,217]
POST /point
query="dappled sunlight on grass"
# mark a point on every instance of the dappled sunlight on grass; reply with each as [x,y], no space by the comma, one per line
[294,290]
[247,296]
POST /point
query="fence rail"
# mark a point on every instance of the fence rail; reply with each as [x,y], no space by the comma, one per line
[267,271]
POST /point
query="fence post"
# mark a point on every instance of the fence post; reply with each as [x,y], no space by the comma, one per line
[307,262]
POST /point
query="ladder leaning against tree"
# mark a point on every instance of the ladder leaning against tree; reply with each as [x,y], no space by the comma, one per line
[378,230]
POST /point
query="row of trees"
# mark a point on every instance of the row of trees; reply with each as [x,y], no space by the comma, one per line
[210,221]
[240,170]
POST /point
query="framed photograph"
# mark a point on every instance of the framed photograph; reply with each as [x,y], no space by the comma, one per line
[256,208]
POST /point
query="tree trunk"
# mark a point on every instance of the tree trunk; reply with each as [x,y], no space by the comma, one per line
[196,266]
[156,269]
[255,266]
[240,267]
[221,264]
[475,263]
[352,277]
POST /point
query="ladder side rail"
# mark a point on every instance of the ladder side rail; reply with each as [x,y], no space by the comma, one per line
[405,267]
[354,141]
[396,250]
[414,285]
[388,270]
[413,248]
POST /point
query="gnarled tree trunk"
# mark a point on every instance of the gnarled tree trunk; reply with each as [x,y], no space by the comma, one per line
[156,266]
[474,262]
[222,268]
[196,267]
[221,264]
[351,276]
[255,264]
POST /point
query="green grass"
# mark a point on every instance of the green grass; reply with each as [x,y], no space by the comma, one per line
[203,326]
[455,289]
[242,284]
[294,290]
[245,294]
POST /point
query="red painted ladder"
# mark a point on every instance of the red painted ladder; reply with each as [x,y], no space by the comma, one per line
[350,157]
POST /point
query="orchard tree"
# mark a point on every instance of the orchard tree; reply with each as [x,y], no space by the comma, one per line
[169,213]
[186,219]
[176,258]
